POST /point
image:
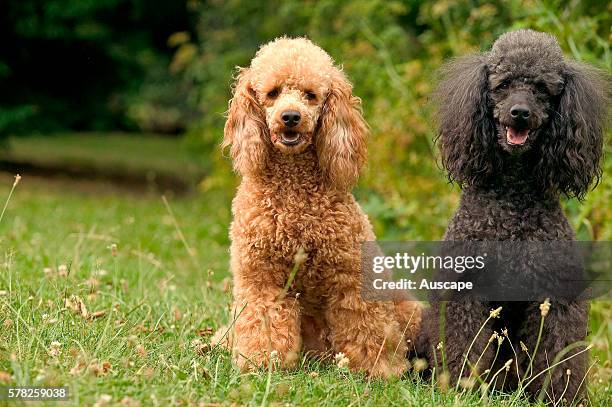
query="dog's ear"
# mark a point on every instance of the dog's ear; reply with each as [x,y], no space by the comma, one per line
[341,136]
[466,133]
[245,128]
[570,153]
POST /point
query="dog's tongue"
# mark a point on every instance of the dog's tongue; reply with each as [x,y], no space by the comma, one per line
[514,136]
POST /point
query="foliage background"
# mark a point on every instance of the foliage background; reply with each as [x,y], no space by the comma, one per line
[166,67]
[391,51]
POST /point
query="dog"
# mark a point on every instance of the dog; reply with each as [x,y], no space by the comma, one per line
[519,126]
[298,140]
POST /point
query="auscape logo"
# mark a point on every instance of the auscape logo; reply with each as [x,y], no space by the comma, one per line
[423,284]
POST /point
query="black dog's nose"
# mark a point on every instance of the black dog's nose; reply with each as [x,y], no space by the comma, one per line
[291,117]
[520,112]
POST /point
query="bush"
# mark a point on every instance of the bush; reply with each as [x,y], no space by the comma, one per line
[391,51]
[76,64]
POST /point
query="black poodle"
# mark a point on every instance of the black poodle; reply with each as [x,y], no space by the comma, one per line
[518,127]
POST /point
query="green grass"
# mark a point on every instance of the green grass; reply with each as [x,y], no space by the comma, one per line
[117,152]
[159,301]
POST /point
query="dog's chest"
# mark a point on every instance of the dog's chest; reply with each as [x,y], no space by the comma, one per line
[287,218]
[303,217]
[491,216]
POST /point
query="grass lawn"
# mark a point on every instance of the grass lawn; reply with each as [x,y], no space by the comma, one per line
[129,324]
[127,153]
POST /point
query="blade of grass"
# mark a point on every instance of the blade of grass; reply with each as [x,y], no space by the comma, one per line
[8,199]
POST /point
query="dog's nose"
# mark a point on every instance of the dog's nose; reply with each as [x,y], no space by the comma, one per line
[520,112]
[291,117]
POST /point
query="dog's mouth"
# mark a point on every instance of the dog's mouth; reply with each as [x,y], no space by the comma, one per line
[290,138]
[516,137]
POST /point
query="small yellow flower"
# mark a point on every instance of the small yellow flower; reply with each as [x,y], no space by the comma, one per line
[507,365]
[420,364]
[495,312]
[467,382]
[500,340]
[524,347]
[300,256]
[443,381]
[545,307]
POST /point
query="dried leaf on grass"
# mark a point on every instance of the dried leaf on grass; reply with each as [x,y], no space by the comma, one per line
[76,304]
[5,377]
[207,331]
[97,314]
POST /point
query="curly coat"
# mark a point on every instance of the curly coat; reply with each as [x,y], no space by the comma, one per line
[518,126]
[295,193]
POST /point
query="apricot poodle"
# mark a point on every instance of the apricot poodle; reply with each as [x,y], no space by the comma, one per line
[298,141]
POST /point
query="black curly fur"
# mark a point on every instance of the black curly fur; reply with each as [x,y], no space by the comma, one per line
[511,191]
[566,155]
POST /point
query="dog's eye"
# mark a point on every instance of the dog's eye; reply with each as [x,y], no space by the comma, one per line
[273,93]
[541,87]
[504,85]
[310,95]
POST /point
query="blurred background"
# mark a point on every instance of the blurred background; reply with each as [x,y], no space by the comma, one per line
[123,98]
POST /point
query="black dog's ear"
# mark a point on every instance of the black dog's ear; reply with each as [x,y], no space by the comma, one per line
[466,134]
[570,155]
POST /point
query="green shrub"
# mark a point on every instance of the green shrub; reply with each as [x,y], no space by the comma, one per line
[391,51]
[81,64]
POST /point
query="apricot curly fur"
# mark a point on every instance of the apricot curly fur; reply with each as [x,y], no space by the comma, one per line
[293,196]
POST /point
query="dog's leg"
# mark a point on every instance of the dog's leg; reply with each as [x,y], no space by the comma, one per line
[459,322]
[408,315]
[565,324]
[314,338]
[267,330]
[367,332]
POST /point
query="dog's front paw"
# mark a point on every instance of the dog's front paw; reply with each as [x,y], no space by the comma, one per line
[389,368]
[383,363]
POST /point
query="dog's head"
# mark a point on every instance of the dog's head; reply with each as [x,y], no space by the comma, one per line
[290,97]
[523,100]
[525,77]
